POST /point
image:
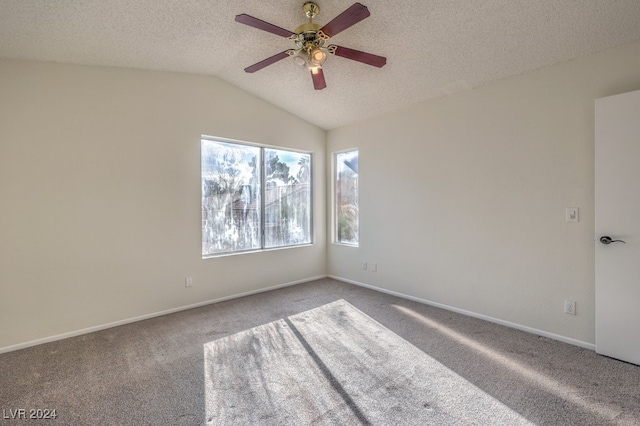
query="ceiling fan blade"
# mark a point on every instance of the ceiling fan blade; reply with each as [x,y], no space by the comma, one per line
[266,62]
[318,79]
[262,25]
[364,57]
[354,14]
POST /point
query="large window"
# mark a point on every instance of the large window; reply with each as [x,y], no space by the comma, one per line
[346,197]
[253,197]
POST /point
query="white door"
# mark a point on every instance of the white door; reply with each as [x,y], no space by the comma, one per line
[617,216]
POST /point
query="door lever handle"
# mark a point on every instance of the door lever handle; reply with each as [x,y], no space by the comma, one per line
[609,240]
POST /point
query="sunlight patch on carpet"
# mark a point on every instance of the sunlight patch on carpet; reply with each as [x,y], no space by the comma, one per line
[336,365]
[569,393]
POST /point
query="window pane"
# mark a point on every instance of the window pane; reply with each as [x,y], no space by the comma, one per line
[230,197]
[347,197]
[287,198]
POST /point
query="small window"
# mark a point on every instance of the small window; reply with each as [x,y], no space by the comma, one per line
[287,198]
[346,197]
[253,197]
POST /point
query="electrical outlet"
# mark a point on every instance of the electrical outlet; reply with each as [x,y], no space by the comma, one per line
[374,267]
[569,307]
[364,266]
[188,282]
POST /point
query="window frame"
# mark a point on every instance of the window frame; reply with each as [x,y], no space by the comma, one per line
[334,196]
[262,176]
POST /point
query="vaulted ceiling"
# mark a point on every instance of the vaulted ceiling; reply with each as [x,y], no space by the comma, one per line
[433,48]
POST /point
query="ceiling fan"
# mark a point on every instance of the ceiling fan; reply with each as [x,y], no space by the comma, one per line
[311,41]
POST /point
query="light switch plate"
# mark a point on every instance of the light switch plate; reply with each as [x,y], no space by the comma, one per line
[572,214]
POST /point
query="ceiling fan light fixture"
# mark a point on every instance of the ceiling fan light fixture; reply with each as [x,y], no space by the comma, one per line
[318,56]
[301,59]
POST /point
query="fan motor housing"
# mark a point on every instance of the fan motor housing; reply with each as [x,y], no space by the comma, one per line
[309,27]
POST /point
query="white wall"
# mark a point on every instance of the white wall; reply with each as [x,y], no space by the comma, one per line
[462,199]
[100,195]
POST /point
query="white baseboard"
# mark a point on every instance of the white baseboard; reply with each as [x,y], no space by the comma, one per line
[535,331]
[148,316]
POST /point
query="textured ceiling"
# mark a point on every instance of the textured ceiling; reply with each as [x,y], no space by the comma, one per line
[433,47]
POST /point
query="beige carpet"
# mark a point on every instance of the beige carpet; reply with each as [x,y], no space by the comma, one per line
[336,365]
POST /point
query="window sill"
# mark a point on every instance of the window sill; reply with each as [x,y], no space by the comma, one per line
[238,253]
